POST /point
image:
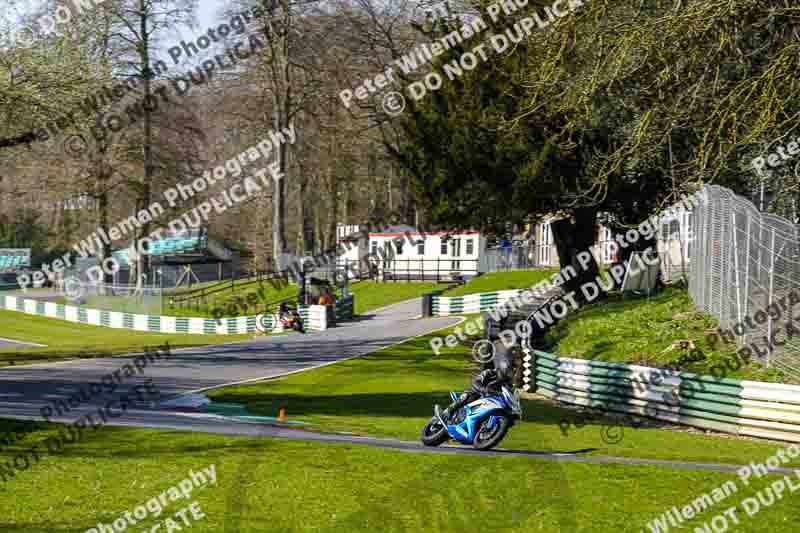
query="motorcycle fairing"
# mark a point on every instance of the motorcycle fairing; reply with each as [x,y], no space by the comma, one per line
[477,412]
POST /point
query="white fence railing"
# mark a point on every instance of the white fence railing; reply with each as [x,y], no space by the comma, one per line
[743,267]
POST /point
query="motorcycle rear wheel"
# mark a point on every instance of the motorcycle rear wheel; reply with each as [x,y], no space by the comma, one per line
[488,438]
[434,433]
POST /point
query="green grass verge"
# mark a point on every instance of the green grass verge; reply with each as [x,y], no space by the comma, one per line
[501,281]
[369,295]
[373,295]
[68,340]
[144,306]
[391,393]
[637,329]
[238,302]
[183,289]
[273,485]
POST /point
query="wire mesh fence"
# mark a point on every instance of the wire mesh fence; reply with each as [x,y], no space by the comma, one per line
[81,288]
[743,267]
[517,257]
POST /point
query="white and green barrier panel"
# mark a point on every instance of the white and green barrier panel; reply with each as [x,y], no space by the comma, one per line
[345,308]
[314,318]
[749,408]
[471,303]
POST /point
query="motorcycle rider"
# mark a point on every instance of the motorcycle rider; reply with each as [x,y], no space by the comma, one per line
[289,317]
[489,381]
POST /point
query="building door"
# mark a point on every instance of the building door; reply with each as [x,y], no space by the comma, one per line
[456,249]
[388,255]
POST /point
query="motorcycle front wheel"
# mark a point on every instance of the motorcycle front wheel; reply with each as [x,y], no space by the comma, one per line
[489,437]
[434,433]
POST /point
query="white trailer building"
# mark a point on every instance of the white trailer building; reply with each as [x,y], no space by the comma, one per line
[404,253]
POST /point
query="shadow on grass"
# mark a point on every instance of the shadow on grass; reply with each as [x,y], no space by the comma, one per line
[406,405]
[412,404]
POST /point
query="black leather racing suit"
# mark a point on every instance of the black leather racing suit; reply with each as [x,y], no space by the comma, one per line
[490,380]
[483,384]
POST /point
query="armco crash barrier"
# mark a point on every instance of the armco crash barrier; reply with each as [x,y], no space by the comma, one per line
[314,317]
[750,408]
[345,308]
[471,303]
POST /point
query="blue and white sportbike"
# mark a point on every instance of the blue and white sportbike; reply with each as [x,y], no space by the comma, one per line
[482,423]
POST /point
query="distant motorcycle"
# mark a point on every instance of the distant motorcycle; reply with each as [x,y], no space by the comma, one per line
[482,423]
[292,320]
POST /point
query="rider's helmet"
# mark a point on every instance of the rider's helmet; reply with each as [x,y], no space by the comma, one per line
[284,307]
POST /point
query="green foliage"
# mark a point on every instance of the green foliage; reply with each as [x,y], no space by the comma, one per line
[623,106]
[23,229]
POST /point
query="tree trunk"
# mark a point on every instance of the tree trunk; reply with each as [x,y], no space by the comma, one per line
[572,238]
[319,238]
[302,243]
[334,212]
[279,209]
[104,173]
[283,100]
[147,146]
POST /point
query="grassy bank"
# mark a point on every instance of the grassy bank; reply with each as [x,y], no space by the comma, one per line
[501,281]
[373,295]
[67,340]
[230,302]
[273,485]
[391,393]
[369,295]
[637,329]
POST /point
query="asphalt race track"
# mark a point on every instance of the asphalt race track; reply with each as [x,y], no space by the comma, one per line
[25,390]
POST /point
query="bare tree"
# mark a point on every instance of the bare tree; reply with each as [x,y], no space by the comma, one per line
[137,27]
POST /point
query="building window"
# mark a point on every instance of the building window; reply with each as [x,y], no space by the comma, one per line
[470,246]
[444,248]
[387,254]
[421,248]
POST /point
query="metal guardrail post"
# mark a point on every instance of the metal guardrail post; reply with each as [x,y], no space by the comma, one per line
[747,275]
[770,295]
[735,250]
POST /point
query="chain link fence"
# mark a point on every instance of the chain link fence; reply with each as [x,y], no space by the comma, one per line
[520,256]
[80,288]
[742,266]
